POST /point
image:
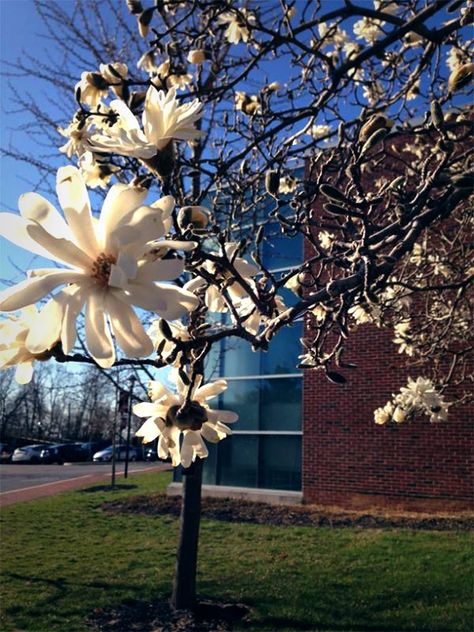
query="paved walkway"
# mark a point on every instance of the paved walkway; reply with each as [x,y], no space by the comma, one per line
[32,492]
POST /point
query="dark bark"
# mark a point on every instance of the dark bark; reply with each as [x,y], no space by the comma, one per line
[184,582]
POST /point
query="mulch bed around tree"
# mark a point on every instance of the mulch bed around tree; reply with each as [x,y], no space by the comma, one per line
[136,616]
[237,510]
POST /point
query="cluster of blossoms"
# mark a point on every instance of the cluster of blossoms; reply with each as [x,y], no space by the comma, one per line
[417,397]
[184,412]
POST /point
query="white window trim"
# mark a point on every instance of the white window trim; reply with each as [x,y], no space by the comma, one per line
[260,377]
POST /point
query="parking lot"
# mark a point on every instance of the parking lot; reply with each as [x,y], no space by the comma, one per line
[24,482]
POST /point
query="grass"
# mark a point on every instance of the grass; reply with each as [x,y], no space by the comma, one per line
[63,557]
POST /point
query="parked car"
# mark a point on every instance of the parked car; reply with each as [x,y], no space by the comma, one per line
[63,453]
[120,452]
[29,453]
[149,453]
[6,452]
[91,447]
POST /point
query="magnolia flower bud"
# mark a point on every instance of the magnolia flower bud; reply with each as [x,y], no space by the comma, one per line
[134,6]
[274,86]
[437,114]
[375,122]
[144,20]
[399,415]
[196,56]
[272,182]
[195,216]
[460,77]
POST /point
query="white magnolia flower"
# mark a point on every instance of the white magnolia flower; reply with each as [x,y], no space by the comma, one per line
[93,88]
[384,415]
[113,73]
[403,338]
[168,417]
[287,184]
[237,29]
[326,239]
[110,264]
[365,314]
[78,135]
[163,120]
[94,172]
[17,331]
[251,317]
[160,342]
[318,131]
[180,82]
[196,56]
[368,29]
[213,295]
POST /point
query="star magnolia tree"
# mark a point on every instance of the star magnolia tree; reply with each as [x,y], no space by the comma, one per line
[361,148]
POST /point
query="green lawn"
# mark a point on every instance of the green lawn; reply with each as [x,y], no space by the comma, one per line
[63,556]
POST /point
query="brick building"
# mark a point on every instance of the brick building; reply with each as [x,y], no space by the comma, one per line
[301,438]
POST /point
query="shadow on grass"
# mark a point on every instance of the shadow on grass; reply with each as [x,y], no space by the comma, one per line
[105,488]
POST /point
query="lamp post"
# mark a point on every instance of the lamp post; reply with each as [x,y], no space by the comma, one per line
[129,423]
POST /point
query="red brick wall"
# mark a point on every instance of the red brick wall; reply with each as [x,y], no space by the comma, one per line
[348,460]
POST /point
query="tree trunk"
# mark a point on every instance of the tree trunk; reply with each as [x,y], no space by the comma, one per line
[184,583]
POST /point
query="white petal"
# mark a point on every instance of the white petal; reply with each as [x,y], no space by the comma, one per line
[208,391]
[163,451]
[13,228]
[127,329]
[193,446]
[160,270]
[98,338]
[31,290]
[120,200]
[149,431]
[128,120]
[24,372]
[74,200]
[36,208]
[175,244]
[226,416]
[166,204]
[147,296]
[45,328]
[145,409]
[60,248]
[74,305]
[178,301]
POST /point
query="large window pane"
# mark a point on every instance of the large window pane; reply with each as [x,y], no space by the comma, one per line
[243,397]
[280,404]
[280,251]
[280,462]
[238,459]
[238,358]
[283,352]
[210,463]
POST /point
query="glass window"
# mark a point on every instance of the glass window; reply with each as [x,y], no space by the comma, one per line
[281,251]
[280,462]
[280,404]
[238,461]
[243,397]
[238,358]
[209,466]
[283,351]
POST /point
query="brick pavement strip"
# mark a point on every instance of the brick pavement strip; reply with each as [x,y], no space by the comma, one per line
[49,489]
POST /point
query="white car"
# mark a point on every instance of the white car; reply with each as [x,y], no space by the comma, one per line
[29,453]
[120,454]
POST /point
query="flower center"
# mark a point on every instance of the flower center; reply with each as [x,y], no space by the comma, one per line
[191,417]
[101,268]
